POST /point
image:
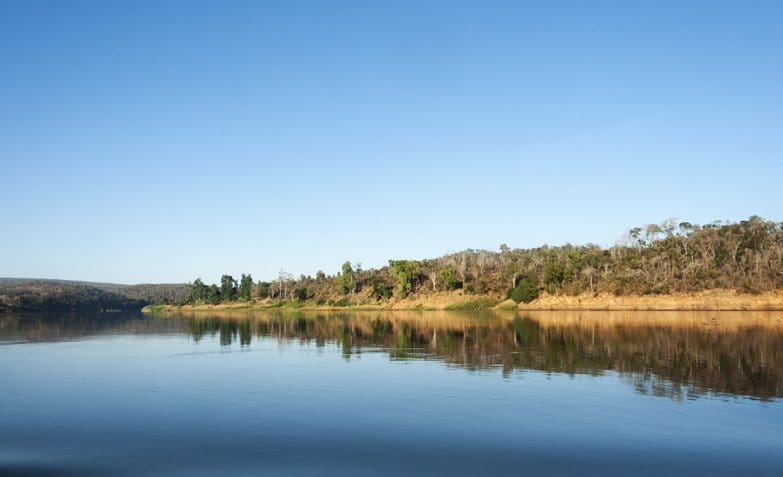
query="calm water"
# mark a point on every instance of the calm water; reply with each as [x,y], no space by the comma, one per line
[392,394]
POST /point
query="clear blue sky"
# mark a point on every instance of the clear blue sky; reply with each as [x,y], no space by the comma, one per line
[163,141]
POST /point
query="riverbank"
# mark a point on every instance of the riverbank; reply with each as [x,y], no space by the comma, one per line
[710,300]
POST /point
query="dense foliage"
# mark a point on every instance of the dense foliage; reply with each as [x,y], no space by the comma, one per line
[58,295]
[524,292]
[156,293]
[39,295]
[655,259]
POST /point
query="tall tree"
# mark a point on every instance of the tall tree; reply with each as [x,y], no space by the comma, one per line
[228,288]
[245,287]
[346,279]
[198,291]
[404,273]
[214,294]
[263,289]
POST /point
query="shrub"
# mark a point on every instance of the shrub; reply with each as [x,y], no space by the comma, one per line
[524,292]
[507,306]
[449,278]
[404,273]
[301,294]
[483,287]
[472,305]
[380,290]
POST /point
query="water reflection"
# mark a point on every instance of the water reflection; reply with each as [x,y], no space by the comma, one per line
[32,327]
[679,355]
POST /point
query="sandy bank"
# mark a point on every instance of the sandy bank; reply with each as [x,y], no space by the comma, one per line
[712,300]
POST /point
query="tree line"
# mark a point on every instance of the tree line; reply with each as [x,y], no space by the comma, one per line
[655,259]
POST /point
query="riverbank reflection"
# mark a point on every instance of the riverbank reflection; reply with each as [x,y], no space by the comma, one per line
[679,355]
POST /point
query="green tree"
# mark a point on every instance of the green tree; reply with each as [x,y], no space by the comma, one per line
[524,292]
[214,294]
[554,272]
[228,288]
[245,287]
[380,290]
[346,279]
[263,289]
[301,294]
[404,273]
[635,237]
[448,276]
[198,291]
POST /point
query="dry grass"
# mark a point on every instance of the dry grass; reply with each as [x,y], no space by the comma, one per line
[707,300]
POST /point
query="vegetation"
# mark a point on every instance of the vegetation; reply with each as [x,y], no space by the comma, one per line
[57,295]
[654,259]
[448,277]
[524,292]
[154,293]
[405,273]
[346,279]
[472,305]
[245,287]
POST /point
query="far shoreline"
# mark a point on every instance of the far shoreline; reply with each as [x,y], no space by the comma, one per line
[709,300]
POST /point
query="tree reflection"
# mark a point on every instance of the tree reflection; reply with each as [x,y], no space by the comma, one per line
[677,358]
[679,355]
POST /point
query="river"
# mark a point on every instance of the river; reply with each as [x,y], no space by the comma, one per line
[392,393]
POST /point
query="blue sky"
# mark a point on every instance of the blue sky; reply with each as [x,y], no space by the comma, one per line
[163,141]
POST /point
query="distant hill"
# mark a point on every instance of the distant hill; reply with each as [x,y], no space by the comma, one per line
[157,293]
[102,286]
[29,295]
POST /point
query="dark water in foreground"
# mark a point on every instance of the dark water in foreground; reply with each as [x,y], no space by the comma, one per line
[392,394]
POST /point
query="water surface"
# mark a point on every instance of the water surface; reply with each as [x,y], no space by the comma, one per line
[392,393]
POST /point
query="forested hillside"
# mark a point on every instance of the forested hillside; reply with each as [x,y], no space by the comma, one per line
[157,293]
[58,295]
[654,259]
